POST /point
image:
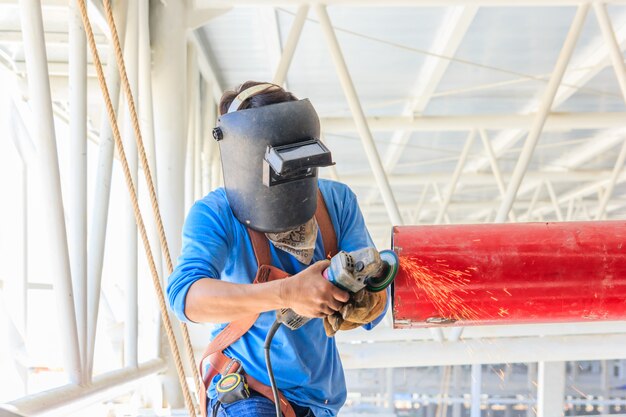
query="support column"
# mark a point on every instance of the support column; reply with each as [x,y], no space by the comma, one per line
[476,389]
[102,194]
[290,45]
[390,389]
[14,296]
[190,156]
[607,367]
[457,393]
[431,409]
[77,218]
[574,372]
[169,41]
[129,257]
[146,120]
[550,389]
[532,389]
[46,161]
[209,146]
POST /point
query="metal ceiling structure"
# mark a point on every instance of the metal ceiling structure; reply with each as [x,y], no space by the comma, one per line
[437,111]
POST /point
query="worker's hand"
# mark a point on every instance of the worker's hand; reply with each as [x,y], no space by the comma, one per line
[363,307]
[309,294]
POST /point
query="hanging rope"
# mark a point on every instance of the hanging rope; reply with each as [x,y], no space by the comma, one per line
[133,195]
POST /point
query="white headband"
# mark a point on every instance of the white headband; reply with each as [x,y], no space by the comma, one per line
[246,94]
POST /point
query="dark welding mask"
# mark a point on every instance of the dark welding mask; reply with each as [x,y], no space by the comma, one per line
[270,156]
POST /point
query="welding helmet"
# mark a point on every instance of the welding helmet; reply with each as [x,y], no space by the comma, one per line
[270,155]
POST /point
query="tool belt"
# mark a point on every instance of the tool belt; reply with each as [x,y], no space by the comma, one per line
[214,353]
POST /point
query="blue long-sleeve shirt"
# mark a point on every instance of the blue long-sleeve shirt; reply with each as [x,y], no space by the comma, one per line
[216,245]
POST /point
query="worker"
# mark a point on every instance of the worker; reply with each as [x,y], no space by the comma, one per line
[261,244]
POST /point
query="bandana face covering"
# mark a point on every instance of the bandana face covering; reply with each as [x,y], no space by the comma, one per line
[299,242]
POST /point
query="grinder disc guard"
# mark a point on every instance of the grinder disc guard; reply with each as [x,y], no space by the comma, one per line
[376,284]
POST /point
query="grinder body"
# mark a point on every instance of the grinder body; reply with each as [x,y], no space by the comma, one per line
[353,271]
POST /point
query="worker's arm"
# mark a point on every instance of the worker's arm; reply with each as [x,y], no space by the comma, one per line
[308,293]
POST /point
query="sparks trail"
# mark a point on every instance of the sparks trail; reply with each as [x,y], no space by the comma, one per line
[578,391]
[442,285]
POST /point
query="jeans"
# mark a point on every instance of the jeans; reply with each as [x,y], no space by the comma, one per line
[255,406]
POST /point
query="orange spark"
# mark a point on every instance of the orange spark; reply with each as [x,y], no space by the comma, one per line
[442,286]
[578,391]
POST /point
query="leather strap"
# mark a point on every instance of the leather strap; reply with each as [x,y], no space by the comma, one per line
[261,247]
[329,238]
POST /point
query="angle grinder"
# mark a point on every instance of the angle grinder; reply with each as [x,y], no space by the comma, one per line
[365,268]
[351,271]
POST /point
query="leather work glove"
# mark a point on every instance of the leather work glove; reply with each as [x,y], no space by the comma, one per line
[362,308]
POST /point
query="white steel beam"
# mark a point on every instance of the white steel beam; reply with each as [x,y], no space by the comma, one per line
[579,155]
[479,332]
[420,204]
[280,74]
[554,122]
[568,162]
[455,177]
[61,401]
[192,93]
[77,210]
[101,196]
[129,253]
[146,120]
[593,60]
[493,161]
[207,68]
[16,289]
[197,109]
[209,146]
[544,109]
[169,38]
[478,178]
[451,32]
[617,59]
[271,37]
[550,388]
[476,388]
[57,69]
[439,199]
[582,191]
[359,116]
[47,164]
[52,38]
[470,210]
[196,18]
[393,3]
[401,354]
[555,203]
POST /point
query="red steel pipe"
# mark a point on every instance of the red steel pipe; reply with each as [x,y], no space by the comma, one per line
[510,273]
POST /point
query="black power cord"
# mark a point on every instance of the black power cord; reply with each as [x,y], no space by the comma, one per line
[268,363]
